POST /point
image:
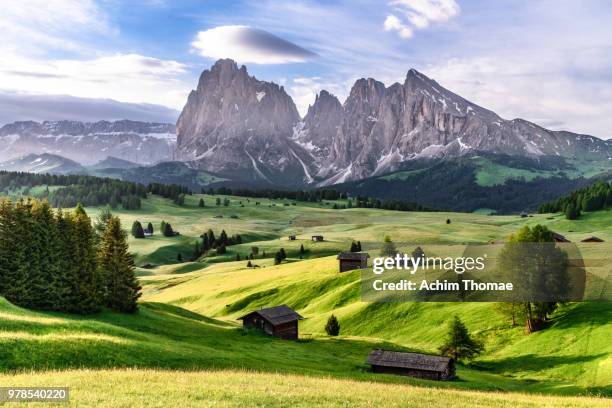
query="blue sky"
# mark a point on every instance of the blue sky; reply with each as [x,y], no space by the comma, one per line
[542,60]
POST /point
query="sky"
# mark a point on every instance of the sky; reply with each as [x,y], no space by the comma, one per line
[547,61]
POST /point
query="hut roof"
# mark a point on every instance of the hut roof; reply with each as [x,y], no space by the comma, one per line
[353,256]
[559,238]
[276,315]
[592,239]
[414,361]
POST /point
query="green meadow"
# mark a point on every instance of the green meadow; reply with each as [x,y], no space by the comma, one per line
[185,347]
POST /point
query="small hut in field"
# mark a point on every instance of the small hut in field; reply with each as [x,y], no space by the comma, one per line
[411,364]
[348,261]
[317,238]
[559,238]
[278,321]
[592,239]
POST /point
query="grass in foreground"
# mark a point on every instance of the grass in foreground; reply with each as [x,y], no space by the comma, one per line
[154,388]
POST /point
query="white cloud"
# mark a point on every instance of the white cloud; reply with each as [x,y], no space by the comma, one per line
[125,77]
[392,23]
[419,14]
[248,45]
[36,25]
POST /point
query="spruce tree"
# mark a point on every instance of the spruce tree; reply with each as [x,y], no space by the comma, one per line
[117,267]
[102,220]
[201,203]
[332,328]
[388,248]
[16,285]
[458,343]
[150,228]
[87,295]
[137,230]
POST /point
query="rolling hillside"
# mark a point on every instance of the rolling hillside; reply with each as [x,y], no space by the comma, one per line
[187,319]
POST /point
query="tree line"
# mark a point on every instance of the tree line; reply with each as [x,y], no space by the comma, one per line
[297,195]
[592,198]
[87,190]
[57,261]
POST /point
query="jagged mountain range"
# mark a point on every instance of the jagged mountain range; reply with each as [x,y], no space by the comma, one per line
[236,125]
[88,143]
[244,130]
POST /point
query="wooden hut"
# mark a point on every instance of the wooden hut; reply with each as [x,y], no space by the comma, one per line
[317,238]
[592,239]
[292,237]
[278,321]
[559,238]
[349,261]
[411,364]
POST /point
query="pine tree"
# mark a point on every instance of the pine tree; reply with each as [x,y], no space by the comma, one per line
[102,220]
[249,264]
[87,293]
[354,247]
[278,258]
[16,286]
[459,344]
[332,328]
[238,257]
[388,248]
[150,228]
[179,258]
[44,258]
[201,203]
[137,230]
[283,254]
[162,227]
[168,231]
[358,246]
[117,266]
[302,250]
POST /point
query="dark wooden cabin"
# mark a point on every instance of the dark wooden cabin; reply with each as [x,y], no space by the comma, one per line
[411,364]
[292,237]
[317,238]
[349,261]
[278,321]
[559,238]
[592,239]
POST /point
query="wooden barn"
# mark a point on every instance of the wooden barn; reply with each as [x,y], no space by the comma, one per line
[292,237]
[559,238]
[317,238]
[592,239]
[349,261]
[411,364]
[278,321]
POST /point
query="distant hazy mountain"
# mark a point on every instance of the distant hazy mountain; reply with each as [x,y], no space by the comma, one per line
[43,163]
[114,163]
[89,143]
[236,125]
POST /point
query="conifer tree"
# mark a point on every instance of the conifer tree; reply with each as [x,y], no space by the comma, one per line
[201,203]
[459,344]
[283,254]
[117,266]
[150,228]
[102,220]
[332,328]
[16,286]
[137,230]
[87,294]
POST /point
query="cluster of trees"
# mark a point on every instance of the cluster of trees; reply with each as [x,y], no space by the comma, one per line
[394,205]
[174,192]
[139,232]
[166,229]
[280,256]
[356,246]
[219,243]
[299,195]
[592,198]
[56,260]
[87,190]
[452,185]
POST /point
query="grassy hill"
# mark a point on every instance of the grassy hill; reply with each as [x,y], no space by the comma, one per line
[187,319]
